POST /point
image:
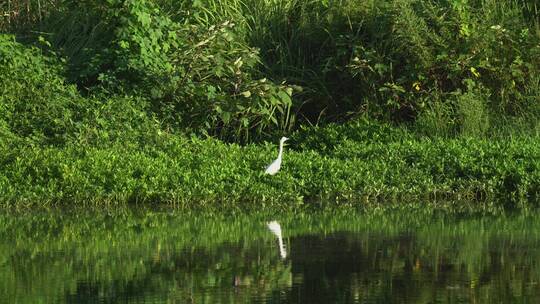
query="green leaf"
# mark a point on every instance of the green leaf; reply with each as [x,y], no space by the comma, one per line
[285,97]
[289,91]
[226,117]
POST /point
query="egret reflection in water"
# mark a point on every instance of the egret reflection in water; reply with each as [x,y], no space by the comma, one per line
[275,228]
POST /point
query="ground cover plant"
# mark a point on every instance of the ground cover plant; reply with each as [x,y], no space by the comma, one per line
[209,173]
[162,101]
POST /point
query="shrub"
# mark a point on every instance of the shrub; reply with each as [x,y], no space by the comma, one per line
[391,58]
[36,104]
[472,111]
[111,120]
[436,119]
[388,59]
[199,77]
[324,139]
[35,101]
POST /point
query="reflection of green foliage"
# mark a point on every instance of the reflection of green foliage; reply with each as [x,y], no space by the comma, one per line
[52,256]
[54,253]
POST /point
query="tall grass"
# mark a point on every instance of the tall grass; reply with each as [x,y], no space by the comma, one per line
[17,14]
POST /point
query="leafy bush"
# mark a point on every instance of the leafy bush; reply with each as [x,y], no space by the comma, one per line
[199,77]
[436,119]
[199,61]
[426,57]
[116,120]
[35,101]
[37,104]
[325,139]
[141,77]
[462,113]
[391,59]
[473,112]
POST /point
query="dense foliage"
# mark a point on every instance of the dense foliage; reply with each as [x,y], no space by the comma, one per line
[135,100]
[450,67]
[211,174]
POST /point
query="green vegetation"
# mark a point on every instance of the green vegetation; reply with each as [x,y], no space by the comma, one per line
[128,101]
[211,174]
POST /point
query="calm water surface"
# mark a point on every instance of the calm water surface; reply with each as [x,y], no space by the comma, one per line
[135,256]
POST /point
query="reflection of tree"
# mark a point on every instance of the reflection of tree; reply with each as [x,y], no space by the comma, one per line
[73,257]
[49,257]
[410,268]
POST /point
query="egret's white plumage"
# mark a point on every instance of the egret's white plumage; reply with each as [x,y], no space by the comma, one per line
[273,168]
[276,230]
[275,227]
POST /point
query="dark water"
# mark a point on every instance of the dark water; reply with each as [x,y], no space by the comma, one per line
[172,257]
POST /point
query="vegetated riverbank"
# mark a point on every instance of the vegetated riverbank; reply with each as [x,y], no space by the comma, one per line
[164,102]
[210,173]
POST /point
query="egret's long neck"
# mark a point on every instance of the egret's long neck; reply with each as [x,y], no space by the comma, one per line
[280,154]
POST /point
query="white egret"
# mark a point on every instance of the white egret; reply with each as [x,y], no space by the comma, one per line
[276,230]
[273,168]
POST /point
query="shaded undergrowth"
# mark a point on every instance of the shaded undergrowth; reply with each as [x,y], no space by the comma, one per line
[247,69]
